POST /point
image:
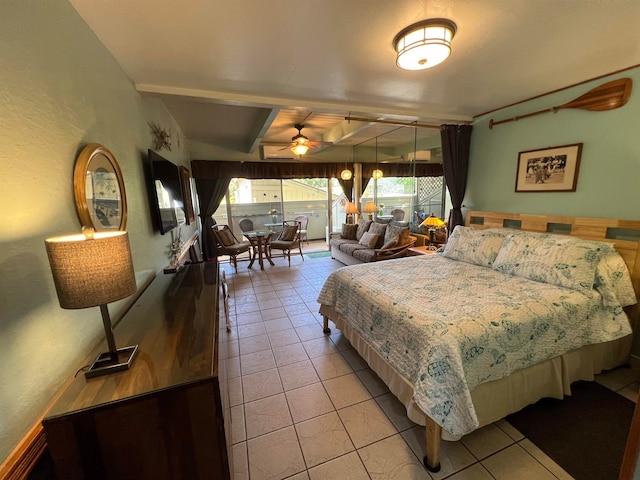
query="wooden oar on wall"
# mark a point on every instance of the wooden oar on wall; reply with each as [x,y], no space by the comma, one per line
[608,96]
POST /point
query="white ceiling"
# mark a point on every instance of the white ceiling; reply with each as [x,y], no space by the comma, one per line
[241,73]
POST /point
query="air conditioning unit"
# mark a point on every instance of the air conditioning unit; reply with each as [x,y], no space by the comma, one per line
[276,152]
[420,156]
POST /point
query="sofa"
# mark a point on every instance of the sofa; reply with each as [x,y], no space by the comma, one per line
[368,241]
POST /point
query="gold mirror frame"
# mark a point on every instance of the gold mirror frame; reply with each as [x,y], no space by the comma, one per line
[98,187]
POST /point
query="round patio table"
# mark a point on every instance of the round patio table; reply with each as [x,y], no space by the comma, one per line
[259,240]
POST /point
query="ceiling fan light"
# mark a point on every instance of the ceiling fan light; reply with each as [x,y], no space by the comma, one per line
[346,174]
[424,44]
[377,173]
[300,149]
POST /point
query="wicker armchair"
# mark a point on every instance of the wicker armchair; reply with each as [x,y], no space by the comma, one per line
[228,244]
[288,240]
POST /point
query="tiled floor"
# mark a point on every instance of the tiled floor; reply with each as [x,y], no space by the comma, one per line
[306,406]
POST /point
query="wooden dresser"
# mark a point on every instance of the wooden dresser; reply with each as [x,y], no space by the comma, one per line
[164,418]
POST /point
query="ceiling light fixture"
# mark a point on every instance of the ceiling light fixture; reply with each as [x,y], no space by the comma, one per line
[424,44]
[299,143]
[346,174]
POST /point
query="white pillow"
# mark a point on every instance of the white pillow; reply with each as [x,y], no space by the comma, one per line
[470,245]
[614,282]
[555,259]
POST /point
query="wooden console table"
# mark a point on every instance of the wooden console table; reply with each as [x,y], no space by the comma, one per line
[164,418]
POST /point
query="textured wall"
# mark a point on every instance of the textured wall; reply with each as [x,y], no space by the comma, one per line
[609,169]
[59,90]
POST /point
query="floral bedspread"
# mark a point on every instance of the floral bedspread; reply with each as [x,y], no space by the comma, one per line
[448,326]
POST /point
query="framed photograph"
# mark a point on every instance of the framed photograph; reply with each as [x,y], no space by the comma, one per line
[553,169]
[187,199]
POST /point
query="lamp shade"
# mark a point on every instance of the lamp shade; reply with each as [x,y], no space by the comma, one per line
[370,207]
[351,208]
[424,44]
[432,221]
[91,270]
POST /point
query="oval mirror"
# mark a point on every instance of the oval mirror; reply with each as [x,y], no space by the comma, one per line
[98,187]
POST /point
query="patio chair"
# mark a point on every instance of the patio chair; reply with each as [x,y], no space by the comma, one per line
[304,221]
[288,239]
[397,214]
[228,244]
[246,225]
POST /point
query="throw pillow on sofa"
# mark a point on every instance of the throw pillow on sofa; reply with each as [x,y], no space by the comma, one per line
[363,226]
[369,240]
[401,234]
[378,229]
[349,231]
[392,242]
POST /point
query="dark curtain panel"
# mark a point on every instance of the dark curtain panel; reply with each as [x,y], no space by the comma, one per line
[347,187]
[211,191]
[455,161]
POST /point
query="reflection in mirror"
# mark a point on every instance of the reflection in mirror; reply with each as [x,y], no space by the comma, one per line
[99,190]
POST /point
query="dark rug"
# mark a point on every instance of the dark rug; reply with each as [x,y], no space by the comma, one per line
[585,433]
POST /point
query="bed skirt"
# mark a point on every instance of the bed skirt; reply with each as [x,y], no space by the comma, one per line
[496,399]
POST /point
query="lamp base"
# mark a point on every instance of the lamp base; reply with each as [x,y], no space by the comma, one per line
[105,363]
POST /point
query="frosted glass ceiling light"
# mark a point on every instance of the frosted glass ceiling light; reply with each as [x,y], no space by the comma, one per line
[377,173]
[346,174]
[424,44]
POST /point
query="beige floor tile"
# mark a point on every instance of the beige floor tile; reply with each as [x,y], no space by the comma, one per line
[331,366]
[251,330]
[298,309]
[373,383]
[283,337]
[240,461]
[354,359]
[340,341]
[233,367]
[486,441]
[247,318]
[273,313]
[247,307]
[275,456]
[298,375]
[630,392]
[542,457]
[263,288]
[235,391]
[288,354]
[254,344]
[395,410]
[319,346]
[299,476]
[260,385]
[266,415]
[322,439]
[308,402]
[510,430]
[301,319]
[257,362]
[309,332]
[346,390]
[278,324]
[238,432]
[267,304]
[515,462]
[366,423]
[392,459]
[454,456]
[347,467]
[474,472]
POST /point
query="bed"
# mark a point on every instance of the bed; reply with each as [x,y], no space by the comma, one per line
[501,318]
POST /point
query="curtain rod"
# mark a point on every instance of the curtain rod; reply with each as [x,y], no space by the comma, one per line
[391,122]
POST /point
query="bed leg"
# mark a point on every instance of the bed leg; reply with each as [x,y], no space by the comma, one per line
[433,433]
[325,324]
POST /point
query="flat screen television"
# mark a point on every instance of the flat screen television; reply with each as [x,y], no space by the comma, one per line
[166,193]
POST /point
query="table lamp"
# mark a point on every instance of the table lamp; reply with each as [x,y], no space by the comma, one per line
[350,208]
[94,269]
[369,208]
[432,222]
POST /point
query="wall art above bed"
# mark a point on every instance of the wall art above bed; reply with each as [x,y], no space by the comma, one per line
[553,169]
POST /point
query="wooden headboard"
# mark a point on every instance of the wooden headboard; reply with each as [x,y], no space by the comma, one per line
[624,234]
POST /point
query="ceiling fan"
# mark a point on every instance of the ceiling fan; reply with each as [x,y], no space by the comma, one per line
[300,144]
